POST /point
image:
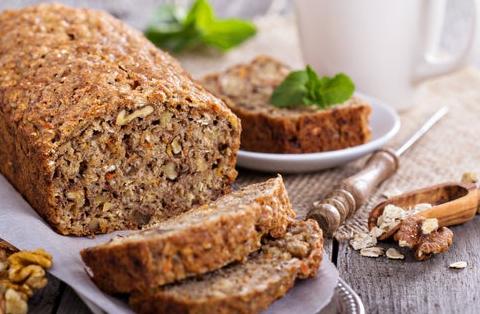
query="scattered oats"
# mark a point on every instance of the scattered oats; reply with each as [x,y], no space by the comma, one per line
[374,251]
[422,206]
[393,212]
[393,253]
[390,217]
[429,225]
[363,240]
[458,265]
[469,177]
[376,232]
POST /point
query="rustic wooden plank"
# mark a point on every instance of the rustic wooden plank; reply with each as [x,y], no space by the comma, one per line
[388,286]
[71,303]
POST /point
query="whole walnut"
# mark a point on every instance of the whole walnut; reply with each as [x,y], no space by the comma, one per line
[410,235]
[436,242]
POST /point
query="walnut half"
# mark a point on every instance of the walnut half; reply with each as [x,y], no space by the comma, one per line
[411,234]
[436,242]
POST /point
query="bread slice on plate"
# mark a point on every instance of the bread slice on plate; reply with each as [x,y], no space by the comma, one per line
[199,241]
[248,287]
[247,88]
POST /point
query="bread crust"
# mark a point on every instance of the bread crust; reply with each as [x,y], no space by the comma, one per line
[246,89]
[63,68]
[279,264]
[207,242]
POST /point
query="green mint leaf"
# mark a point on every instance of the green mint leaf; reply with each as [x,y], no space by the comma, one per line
[336,90]
[305,88]
[292,90]
[226,34]
[312,75]
[174,30]
[200,14]
[168,31]
[174,41]
[313,86]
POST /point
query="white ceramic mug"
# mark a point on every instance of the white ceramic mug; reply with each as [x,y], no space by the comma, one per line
[385,46]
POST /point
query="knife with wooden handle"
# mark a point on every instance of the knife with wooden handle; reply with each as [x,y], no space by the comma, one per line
[353,192]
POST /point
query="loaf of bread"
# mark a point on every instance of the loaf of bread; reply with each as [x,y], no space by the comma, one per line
[101,131]
[201,240]
[248,287]
[247,88]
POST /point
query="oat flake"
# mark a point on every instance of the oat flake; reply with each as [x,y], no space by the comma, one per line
[458,265]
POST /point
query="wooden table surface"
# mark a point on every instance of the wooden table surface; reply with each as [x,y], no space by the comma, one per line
[410,286]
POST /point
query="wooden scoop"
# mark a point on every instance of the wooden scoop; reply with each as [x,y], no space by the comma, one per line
[452,204]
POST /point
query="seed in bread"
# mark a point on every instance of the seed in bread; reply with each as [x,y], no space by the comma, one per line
[248,287]
[247,88]
[100,130]
[196,242]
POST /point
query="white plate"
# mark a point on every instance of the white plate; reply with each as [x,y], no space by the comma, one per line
[384,123]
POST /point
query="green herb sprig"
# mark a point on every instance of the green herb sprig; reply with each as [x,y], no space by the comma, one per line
[305,88]
[175,30]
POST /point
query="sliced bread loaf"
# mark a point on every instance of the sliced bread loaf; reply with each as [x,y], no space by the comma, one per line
[99,129]
[196,242]
[248,287]
[247,88]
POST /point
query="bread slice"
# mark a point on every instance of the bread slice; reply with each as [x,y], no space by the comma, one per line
[196,242]
[247,88]
[99,129]
[248,287]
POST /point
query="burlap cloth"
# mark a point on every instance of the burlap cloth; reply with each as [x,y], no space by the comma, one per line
[449,149]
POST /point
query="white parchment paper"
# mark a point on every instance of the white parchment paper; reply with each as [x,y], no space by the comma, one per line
[21,226]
